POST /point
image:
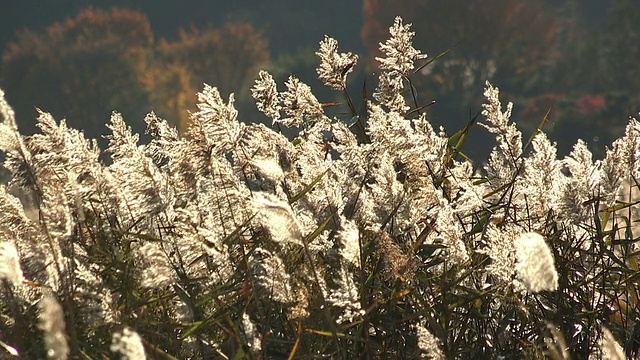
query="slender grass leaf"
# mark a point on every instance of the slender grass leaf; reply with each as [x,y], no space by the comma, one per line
[308,188]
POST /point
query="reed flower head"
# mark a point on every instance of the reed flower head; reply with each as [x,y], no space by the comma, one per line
[349,236]
[278,218]
[334,67]
[157,271]
[265,92]
[251,332]
[53,326]
[609,348]
[128,344]
[399,59]
[534,265]
[271,277]
[299,103]
[400,54]
[428,344]
[10,264]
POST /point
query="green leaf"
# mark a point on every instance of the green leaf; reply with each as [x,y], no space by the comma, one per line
[620,205]
[240,354]
[538,130]
[309,187]
[458,139]
[196,325]
[318,230]
[437,57]
[420,108]
[427,250]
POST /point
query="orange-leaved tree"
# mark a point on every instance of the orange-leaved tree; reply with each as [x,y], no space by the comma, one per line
[85,67]
[227,57]
[81,69]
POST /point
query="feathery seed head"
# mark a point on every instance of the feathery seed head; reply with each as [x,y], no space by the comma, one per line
[265,92]
[52,324]
[10,264]
[535,266]
[128,344]
[334,67]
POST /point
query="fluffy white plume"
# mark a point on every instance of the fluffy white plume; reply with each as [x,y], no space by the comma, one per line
[535,266]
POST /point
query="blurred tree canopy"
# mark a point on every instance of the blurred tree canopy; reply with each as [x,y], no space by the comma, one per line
[503,41]
[593,79]
[544,55]
[80,69]
[85,67]
[228,57]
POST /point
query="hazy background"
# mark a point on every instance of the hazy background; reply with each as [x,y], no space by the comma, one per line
[578,59]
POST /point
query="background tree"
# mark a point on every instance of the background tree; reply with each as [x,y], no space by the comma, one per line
[591,77]
[87,66]
[81,69]
[227,57]
[499,39]
[504,41]
[622,47]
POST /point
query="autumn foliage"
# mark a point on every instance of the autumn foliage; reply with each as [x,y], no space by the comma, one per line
[81,68]
[228,56]
[101,60]
[503,39]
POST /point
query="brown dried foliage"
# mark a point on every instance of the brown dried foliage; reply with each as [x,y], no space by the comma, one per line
[516,35]
[227,57]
